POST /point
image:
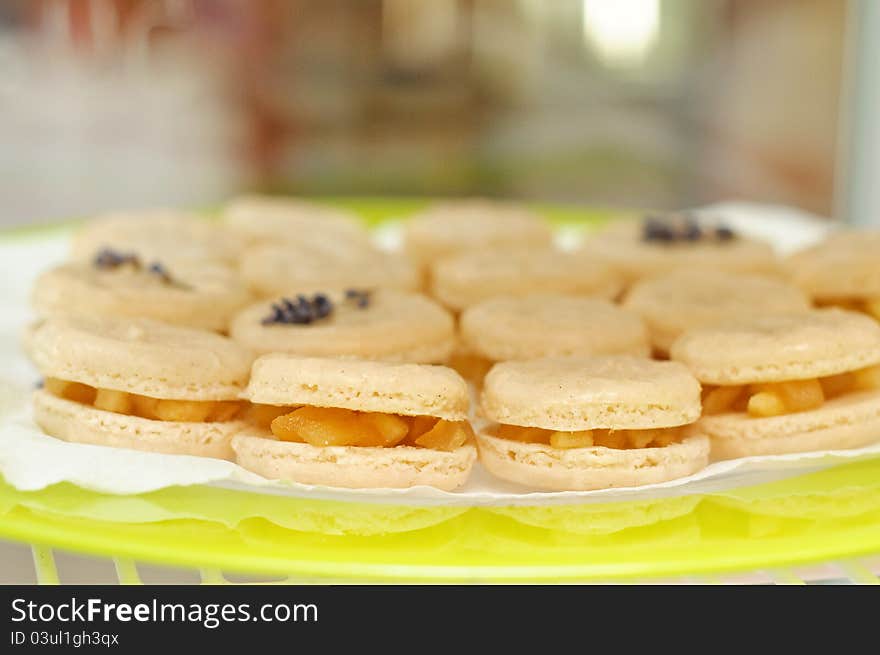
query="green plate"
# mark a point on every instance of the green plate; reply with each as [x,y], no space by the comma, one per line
[832,514]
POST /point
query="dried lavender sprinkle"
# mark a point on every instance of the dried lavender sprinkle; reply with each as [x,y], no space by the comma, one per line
[109,258]
[305,310]
[361,297]
[681,227]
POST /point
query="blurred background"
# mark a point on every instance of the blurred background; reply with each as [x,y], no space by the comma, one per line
[110,104]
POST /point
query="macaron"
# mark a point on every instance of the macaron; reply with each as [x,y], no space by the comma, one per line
[583,423]
[313,264]
[386,324]
[163,235]
[842,271]
[660,244]
[196,294]
[461,281]
[545,325]
[456,226]
[779,384]
[273,219]
[357,424]
[139,384]
[672,303]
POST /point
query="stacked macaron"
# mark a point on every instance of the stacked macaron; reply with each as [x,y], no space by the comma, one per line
[778,384]
[139,384]
[843,271]
[346,364]
[506,328]
[201,294]
[156,235]
[298,247]
[464,280]
[357,423]
[673,303]
[581,423]
[313,264]
[383,324]
[266,219]
[667,242]
[170,266]
[451,228]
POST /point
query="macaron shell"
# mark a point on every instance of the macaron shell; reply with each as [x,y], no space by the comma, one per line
[452,227]
[164,235]
[621,244]
[583,393]
[353,467]
[546,325]
[584,469]
[462,281]
[845,266]
[849,421]
[315,264]
[369,386]
[673,303]
[141,356]
[394,326]
[77,423]
[774,348]
[208,298]
[272,219]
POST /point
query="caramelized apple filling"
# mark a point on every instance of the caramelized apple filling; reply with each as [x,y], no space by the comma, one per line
[330,426]
[621,439]
[777,398]
[160,409]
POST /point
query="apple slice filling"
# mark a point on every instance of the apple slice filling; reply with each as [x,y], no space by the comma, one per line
[778,398]
[620,439]
[332,426]
[160,409]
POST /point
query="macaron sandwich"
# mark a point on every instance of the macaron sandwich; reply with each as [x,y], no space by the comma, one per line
[116,284]
[267,219]
[163,235]
[138,384]
[454,227]
[545,325]
[791,383]
[383,324]
[843,271]
[661,243]
[684,299]
[464,280]
[360,424]
[583,423]
[314,263]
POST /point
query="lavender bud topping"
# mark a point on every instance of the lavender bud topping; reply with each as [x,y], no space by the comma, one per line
[304,310]
[682,228]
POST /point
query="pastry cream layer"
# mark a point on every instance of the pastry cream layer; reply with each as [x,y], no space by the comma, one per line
[328,426]
[161,409]
[621,439]
[777,398]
